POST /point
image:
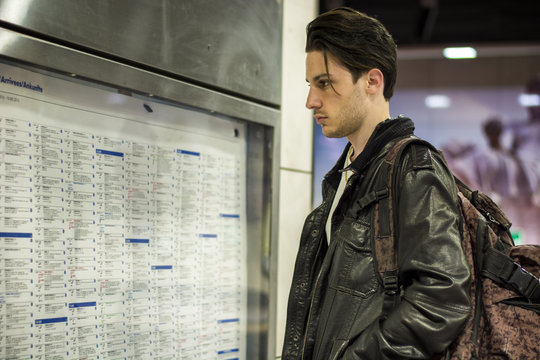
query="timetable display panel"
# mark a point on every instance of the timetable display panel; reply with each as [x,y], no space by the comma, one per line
[122,225]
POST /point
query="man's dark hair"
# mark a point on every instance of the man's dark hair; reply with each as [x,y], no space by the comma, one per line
[358,41]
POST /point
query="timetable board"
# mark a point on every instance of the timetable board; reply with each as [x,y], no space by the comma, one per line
[122,225]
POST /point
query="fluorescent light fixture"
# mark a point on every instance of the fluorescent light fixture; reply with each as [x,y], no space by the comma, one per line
[437,101]
[529,100]
[459,53]
[13,12]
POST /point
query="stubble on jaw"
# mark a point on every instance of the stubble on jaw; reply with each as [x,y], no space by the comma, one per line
[348,120]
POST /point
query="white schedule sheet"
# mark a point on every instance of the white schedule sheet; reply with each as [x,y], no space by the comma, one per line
[122,225]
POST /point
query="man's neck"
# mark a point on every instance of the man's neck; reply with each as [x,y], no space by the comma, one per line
[360,138]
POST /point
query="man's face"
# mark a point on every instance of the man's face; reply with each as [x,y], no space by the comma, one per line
[339,108]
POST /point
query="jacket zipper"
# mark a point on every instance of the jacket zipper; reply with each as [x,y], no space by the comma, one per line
[349,183]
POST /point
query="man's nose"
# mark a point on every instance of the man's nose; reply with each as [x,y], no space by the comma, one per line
[313,101]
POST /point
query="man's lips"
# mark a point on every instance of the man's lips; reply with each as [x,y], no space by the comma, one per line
[320,119]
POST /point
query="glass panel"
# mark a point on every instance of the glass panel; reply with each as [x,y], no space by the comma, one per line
[130,227]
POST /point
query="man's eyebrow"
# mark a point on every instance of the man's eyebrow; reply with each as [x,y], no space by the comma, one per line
[320,76]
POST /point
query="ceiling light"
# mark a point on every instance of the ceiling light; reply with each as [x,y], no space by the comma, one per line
[459,53]
[529,100]
[437,101]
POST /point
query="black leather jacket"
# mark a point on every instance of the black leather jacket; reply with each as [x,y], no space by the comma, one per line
[335,302]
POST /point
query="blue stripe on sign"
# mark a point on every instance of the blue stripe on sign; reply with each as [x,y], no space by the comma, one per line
[15,235]
[82,304]
[108,152]
[228,320]
[236,216]
[208,235]
[22,235]
[51,320]
[227,351]
[186,152]
[161,267]
[137,241]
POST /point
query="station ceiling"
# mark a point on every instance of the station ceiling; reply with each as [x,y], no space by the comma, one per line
[425,22]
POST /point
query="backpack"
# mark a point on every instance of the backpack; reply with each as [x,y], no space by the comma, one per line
[505,290]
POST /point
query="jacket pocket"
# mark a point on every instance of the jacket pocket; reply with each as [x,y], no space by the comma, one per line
[353,268]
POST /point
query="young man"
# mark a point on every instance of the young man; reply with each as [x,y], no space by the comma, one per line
[336,298]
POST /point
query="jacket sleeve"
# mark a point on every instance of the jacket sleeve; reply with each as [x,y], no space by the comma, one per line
[434,272]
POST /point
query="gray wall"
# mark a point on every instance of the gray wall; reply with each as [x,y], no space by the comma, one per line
[232,46]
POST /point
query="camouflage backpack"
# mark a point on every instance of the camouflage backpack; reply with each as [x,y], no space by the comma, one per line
[505,290]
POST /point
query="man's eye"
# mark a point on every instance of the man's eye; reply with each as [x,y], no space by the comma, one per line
[324,83]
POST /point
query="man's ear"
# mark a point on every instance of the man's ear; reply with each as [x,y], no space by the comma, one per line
[375,79]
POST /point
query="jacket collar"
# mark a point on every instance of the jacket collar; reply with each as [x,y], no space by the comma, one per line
[384,133]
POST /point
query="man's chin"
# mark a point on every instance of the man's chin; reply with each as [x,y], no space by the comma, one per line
[329,133]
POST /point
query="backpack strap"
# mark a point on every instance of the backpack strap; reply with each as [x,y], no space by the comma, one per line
[385,223]
[503,270]
[385,238]
[489,209]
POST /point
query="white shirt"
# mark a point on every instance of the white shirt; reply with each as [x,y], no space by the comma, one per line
[345,175]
